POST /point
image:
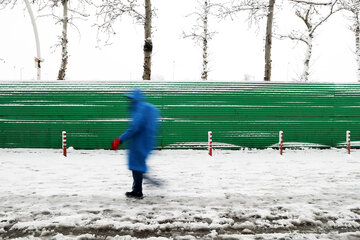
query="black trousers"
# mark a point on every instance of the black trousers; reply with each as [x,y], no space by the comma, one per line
[138,179]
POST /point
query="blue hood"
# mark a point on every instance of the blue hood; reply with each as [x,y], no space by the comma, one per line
[137,95]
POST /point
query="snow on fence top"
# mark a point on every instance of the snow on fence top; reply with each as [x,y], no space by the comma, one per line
[33,114]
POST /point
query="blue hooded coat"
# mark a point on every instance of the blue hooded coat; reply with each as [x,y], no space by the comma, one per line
[141,132]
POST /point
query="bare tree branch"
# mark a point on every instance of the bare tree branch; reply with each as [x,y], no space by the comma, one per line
[295,36]
[109,11]
[350,5]
[256,9]
[332,11]
[313,3]
[79,13]
[5,3]
[57,18]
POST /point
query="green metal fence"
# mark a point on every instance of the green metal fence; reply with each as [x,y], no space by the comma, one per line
[33,114]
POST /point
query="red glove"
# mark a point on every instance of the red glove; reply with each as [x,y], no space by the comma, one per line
[115,144]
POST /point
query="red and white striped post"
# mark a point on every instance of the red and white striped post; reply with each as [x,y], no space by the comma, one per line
[64,143]
[210,142]
[348,141]
[281,143]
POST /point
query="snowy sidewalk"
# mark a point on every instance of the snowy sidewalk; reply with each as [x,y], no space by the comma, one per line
[250,194]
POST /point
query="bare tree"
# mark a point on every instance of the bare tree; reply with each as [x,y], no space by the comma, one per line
[64,41]
[112,10]
[312,14]
[353,6]
[68,15]
[38,59]
[201,33]
[148,46]
[257,10]
[268,40]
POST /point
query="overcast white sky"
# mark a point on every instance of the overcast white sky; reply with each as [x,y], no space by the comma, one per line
[235,51]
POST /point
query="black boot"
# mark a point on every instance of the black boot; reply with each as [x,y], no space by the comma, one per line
[138,195]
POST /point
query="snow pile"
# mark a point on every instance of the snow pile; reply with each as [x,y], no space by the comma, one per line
[247,194]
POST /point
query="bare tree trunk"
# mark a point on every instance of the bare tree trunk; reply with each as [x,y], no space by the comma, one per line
[357,42]
[64,42]
[38,59]
[148,46]
[268,41]
[205,71]
[306,72]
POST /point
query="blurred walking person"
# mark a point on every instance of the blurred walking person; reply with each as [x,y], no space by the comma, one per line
[142,136]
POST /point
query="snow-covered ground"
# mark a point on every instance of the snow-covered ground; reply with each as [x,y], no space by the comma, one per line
[247,194]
